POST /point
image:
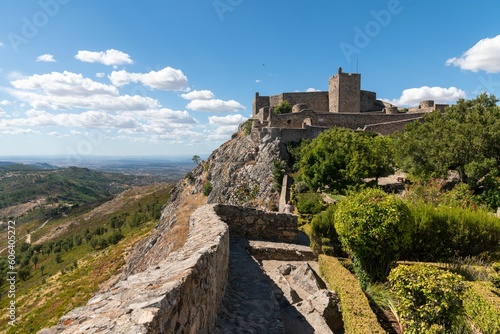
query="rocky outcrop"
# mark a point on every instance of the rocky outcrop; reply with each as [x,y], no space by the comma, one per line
[241,172]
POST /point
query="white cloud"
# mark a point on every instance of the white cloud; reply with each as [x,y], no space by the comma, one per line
[412,96]
[100,75]
[46,58]
[258,81]
[108,57]
[485,56]
[1,44]
[4,103]
[165,79]
[310,89]
[69,90]
[198,95]
[227,120]
[215,105]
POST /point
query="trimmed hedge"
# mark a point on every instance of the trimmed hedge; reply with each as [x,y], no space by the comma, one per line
[356,312]
[482,307]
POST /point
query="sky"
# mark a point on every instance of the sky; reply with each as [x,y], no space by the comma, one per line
[177,77]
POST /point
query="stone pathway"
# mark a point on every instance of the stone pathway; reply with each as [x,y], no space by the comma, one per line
[249,305]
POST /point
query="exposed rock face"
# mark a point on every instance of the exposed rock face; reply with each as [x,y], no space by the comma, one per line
[240,172]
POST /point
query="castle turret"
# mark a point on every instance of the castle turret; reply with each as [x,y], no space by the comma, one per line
[344,92]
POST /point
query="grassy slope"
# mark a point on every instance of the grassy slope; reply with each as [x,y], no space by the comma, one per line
[44,298]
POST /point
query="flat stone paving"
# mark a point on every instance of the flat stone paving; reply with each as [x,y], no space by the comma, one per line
[249,305]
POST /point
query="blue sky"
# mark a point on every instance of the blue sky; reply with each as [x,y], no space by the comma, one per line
[176,77]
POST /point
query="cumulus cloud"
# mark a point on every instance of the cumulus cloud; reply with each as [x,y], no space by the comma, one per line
[46,58]
[485,56]
[69,90]
[412,96]
[198,95]
[4,103]
[108,57]
[227,120]
[310,89]
[165,79]
[100,75]
[215,105]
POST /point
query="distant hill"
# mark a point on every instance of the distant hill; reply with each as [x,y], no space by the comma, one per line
[47,186]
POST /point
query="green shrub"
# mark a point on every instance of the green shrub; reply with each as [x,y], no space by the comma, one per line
[374,228]
[357,315]
[495,280]
[429,298]
[323,233]
[482,307]
[310,203]
[283,108]
[441,233]
[207,188]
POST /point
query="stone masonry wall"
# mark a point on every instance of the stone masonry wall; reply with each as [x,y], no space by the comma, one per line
[179,295]
[256,224]
[183,292]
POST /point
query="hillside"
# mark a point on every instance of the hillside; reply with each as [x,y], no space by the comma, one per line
[71,257]
[41,190]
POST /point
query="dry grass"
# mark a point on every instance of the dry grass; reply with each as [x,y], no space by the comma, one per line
[187,204]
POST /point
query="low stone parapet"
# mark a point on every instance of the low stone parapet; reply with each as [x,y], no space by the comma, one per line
[256,224]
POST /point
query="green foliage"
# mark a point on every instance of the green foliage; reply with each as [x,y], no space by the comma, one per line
[278,173]
[196,159]
[283,108]
[247,127]
[323,233]
[441,233]
[482,307]
[309,203]
[374,228]
[429,299]
[339,158]
[466,138]
[207,188]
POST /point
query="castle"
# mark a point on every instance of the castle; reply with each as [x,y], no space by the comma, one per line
[344,104]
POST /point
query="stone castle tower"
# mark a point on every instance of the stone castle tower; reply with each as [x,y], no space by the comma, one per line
[344,92]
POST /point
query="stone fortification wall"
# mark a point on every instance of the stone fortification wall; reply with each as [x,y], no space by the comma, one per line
[309,118]
[179,295]
[256,224]
[389,127]
[317,101]
[182,293]
[367,100]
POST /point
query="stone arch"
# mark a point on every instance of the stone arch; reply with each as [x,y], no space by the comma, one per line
[306,122]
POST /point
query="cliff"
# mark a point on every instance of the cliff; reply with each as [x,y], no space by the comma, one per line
[239,172]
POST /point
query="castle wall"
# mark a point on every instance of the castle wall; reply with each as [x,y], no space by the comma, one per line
[309,118]
[367,100]
[256,224]
[182,293]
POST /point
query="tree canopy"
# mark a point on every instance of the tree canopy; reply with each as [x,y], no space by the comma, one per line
[341,157]
[465,138]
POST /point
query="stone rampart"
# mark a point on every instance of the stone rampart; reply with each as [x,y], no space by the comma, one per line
[182,293]
[256,224]
[179,295]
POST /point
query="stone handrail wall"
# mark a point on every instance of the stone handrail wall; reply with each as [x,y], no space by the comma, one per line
[180,295]
[256,224]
